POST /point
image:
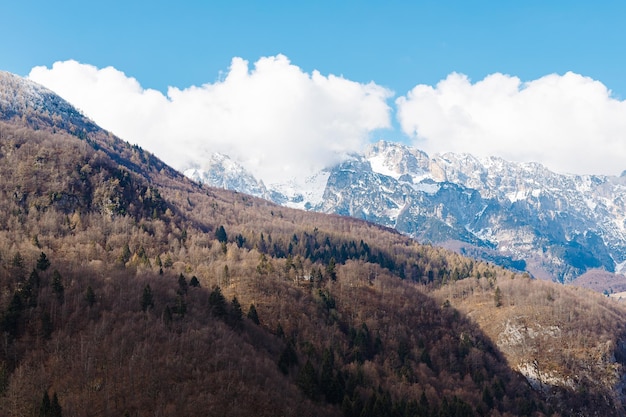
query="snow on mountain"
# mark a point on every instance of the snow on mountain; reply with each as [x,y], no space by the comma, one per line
[222,172]
[521,215]
[38,106]
[301,194]
[397,162]
[22,91]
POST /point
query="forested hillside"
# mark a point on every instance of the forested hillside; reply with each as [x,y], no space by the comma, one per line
[129,290]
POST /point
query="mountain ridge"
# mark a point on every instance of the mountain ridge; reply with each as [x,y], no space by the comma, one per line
[560,225]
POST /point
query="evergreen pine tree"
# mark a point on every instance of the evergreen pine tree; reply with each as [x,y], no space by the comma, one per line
[33,279]
[252,314]
[329,385]
[487,397]
[307,381]
[45,407]
[167,315]
[497,297]
[220,235]
[43,262]
[11,318]
[182,285]
[330,269]
[18,260]
[55,407]
[240,240]
[288,358]
[181,306]
[125,255]
[217,302]
[90,296]
[147,300]
[57,286]
[236,315]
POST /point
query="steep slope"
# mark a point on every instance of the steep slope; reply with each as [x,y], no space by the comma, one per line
[128,289]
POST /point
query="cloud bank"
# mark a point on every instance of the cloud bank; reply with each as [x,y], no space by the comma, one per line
[570,123]
[275,119]
[281,122]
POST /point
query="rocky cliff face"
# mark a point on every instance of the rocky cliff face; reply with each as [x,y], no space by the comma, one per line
[522,215]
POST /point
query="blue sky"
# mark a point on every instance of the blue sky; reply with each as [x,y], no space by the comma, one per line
[397,45]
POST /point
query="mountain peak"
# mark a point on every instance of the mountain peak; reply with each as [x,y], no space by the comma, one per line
[395,160]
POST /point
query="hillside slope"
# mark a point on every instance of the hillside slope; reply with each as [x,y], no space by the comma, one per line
[130,290]
[561,338]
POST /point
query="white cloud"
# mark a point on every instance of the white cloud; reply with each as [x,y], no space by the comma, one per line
[279,121]
[274,118]
[568,122]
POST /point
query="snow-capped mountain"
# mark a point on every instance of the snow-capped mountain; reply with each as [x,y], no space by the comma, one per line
[521,215]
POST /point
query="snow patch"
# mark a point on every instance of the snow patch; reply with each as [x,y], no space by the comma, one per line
[591,204]
[516,196]
[522,195]
[379,166]
[427,188]
[620,268]
[303,193]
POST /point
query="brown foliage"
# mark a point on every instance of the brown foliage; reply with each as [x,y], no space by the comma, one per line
[113,219]
[567,339]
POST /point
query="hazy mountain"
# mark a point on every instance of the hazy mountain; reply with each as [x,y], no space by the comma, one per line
[223,172]
[128,289]
[520,215]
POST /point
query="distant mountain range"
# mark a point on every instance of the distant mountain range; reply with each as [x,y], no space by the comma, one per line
[519,215]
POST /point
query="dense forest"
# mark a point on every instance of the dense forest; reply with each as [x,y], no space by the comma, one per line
[128,290]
